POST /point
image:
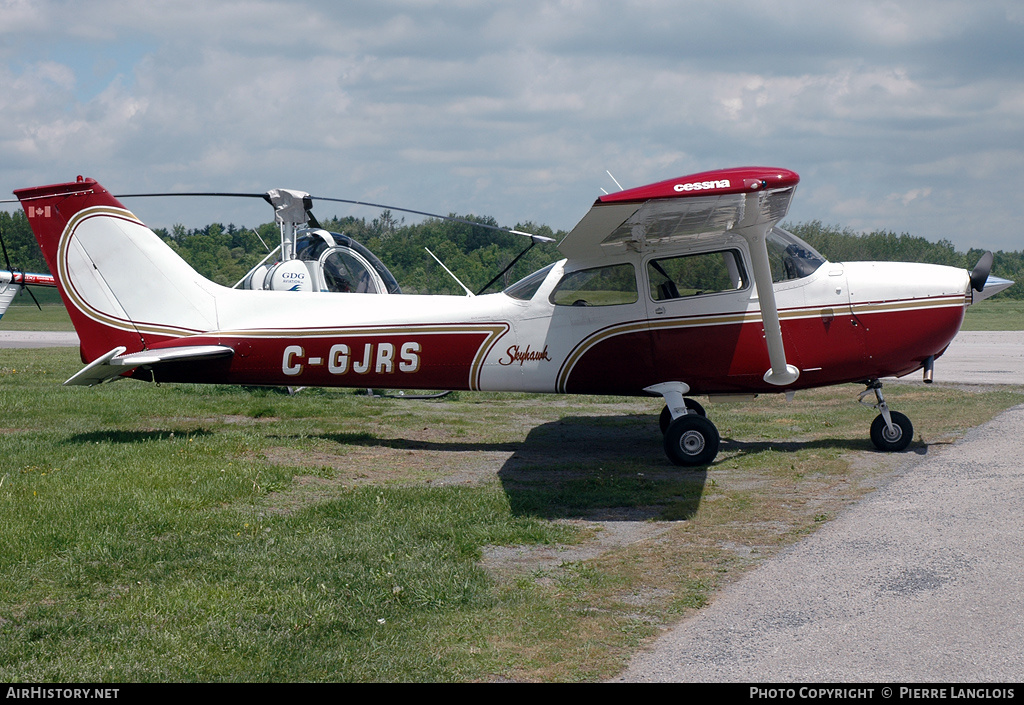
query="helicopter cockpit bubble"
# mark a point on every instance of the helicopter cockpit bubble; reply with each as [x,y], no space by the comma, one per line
[340,264]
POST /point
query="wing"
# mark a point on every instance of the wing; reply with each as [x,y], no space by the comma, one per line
[745,200]
[115,363]
[690,207]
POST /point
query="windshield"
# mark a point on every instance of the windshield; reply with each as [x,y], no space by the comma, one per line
[790,257]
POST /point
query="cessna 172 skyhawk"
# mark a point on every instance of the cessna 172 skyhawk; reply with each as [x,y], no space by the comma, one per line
[680,288]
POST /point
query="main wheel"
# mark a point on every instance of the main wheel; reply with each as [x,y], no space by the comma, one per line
[691,440]
[666,415]
[892,441]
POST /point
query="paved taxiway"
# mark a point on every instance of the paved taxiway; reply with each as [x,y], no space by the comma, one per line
[919,582]
[37,339]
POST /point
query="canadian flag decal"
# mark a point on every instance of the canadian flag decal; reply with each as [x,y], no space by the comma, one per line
[37,212]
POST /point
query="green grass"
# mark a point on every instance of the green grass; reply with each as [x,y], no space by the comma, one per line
[995,314]
[50,316]
[188,533]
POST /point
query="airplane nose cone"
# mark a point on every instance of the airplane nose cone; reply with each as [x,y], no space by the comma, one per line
[983,284]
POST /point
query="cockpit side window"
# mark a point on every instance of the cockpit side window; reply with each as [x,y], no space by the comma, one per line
[697,274]
[603,286]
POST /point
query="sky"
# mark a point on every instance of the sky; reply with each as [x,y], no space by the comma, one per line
[903,116]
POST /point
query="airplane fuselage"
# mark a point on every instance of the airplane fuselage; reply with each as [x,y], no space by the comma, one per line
[845,322]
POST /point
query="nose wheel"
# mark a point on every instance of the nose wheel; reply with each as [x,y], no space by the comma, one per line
[895,439]
[891,431]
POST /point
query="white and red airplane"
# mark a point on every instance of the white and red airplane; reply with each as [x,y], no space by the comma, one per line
[680,288]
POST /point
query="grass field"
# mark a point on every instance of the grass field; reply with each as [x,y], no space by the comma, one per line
[46,317]
[187,533]
[995,314]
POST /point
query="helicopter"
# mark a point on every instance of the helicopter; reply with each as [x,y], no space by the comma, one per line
[681,288]
[309,258]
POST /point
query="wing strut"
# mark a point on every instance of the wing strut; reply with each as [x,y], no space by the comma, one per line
[756,235]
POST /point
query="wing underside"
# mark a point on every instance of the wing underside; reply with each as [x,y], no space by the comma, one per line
[612,227]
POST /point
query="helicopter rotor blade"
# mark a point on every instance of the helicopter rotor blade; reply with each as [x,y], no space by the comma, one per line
[7,261]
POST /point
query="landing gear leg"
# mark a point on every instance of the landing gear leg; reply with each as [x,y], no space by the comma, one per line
[891,431]
[692,407]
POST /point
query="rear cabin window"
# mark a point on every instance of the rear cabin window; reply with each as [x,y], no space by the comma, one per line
[694,275]
[525,288]
[603,286]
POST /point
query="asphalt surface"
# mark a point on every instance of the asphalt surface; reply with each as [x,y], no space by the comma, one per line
[37,339]
[920,582]
[983,357]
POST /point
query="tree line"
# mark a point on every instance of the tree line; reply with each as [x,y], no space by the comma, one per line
[224,253]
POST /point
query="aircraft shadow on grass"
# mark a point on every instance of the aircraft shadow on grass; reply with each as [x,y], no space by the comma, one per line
[602,468]
[597,468]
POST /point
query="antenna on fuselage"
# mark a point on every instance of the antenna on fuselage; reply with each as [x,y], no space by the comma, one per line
[613,179]
[466,288]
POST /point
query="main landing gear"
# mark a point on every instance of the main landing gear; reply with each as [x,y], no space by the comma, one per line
[690,439]
[891,431]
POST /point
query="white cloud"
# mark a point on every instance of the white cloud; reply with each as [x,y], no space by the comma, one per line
[516,109]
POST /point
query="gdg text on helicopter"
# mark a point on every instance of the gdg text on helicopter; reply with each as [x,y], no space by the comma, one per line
[681,288]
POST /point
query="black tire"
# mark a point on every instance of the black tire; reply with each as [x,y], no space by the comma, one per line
[691,440]
[897,440]
[666,415]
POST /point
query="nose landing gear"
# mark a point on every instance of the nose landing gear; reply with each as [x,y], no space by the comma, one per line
[891,431]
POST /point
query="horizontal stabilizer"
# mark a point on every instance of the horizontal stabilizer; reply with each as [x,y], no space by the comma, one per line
[114,363]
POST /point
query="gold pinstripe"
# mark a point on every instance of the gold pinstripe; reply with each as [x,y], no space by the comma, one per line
[859,309]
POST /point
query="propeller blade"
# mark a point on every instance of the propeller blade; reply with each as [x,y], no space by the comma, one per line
[33,297]
[6,258]
[979,275]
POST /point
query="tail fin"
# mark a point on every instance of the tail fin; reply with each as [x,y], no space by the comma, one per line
[122,285]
